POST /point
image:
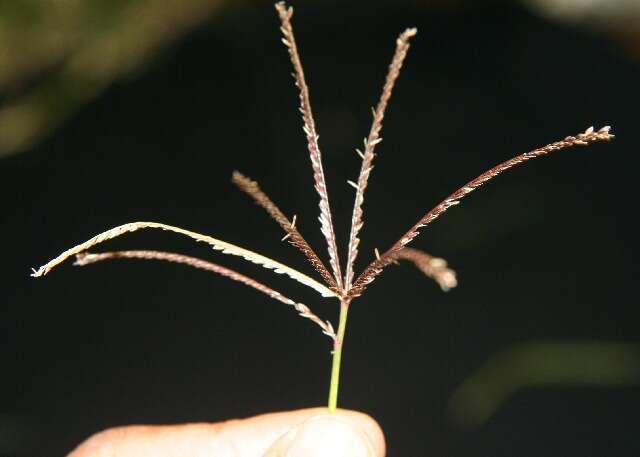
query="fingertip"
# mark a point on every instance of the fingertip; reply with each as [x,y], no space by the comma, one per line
[370,427]
[308,432]
[341,434]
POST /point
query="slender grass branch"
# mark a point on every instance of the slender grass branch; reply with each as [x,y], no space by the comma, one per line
[337,357]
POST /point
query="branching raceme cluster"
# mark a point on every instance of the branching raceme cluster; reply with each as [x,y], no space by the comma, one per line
[334,284]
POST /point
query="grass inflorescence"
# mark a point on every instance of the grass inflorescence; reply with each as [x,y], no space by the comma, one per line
[333,284]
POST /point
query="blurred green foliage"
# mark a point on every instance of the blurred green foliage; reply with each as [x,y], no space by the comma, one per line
[542,364]
[56,55]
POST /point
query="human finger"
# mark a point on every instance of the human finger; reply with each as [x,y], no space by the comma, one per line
[252,437]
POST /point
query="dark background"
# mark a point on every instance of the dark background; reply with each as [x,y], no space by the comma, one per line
[545,252]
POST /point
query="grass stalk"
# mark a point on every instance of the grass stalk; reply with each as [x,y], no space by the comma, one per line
[337,357]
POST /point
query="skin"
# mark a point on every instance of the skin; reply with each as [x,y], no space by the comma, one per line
[302,433]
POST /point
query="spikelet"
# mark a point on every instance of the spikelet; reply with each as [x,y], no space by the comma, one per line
[402,47]
[376,267]
[433,267]
[309,127]
[86,258]
[294,237]
[218,245]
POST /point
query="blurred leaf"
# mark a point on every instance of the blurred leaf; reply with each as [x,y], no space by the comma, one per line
[542,364]
[56,55]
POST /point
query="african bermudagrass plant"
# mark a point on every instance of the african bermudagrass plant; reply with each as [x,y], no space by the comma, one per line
[346,288]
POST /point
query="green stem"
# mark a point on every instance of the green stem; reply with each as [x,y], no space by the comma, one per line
[337,356]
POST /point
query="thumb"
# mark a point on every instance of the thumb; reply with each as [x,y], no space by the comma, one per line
[336,435]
